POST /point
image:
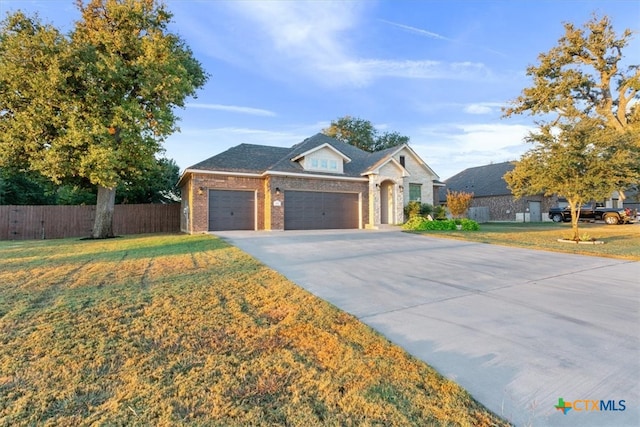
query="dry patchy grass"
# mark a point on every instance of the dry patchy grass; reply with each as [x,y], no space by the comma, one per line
[166,330]
[620,241]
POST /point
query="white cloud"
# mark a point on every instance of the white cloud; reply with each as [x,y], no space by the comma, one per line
[302,36]
[317,41]
[482,107]
[233,109]
[451,148]
[370,69]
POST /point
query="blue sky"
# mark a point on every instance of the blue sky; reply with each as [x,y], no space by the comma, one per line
[436,71]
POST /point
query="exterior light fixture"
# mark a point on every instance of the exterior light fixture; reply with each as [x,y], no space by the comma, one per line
[278,190]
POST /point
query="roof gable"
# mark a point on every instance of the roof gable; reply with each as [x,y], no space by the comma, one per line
[315,143]
[386,160]
[380,158]
[318,148]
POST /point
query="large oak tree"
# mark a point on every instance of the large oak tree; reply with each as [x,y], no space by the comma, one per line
[362,134]
[96,103]
[588,142]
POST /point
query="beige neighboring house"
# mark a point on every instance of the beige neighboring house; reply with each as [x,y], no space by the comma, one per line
[320,183]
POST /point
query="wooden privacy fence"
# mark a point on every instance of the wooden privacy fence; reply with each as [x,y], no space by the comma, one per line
[55,222]
[479,214]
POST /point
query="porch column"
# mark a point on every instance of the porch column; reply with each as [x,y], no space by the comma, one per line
[399,197]
[374,203]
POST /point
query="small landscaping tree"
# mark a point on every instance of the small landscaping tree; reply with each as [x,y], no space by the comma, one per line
[458,202]
[415,208]
[439,212]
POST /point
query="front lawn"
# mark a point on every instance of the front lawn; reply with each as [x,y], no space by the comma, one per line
[620,241]
[174,329]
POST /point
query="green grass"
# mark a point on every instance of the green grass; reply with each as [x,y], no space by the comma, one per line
[174,329]
[620,241]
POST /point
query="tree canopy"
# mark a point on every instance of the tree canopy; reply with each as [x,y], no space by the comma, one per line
[156,184]
[362,134]
[587,144]
[579,161]
[95,104]
[583,77]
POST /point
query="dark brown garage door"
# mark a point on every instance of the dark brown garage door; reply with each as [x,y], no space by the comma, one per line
[231,210]
[309,210]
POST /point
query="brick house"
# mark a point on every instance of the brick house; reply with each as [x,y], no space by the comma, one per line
[316,184]
[492,199]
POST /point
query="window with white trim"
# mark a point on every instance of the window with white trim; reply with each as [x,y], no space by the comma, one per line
[319,163]
[415,192]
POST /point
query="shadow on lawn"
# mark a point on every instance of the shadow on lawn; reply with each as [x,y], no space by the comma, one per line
[68,251]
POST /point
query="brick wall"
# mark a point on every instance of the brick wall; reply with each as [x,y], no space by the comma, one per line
[506,207]
[501,208]
[270,205]
[197,187]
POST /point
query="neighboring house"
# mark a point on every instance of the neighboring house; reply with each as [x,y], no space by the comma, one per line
[492,199]
[320,183]
[631,200]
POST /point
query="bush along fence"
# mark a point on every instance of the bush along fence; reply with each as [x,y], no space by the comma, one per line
[55,222]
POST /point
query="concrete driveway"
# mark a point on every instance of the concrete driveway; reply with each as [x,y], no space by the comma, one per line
[517,328]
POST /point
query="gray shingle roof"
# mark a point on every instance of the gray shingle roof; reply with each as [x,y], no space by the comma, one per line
[244,158]
[482,181]
[353,168]
[250,158]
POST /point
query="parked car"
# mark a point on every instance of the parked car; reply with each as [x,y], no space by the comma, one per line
[591,212]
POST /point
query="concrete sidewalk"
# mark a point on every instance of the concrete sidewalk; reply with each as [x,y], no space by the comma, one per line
[517,328]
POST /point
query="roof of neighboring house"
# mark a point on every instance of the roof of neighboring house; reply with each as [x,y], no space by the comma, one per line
[250,158]
[482,181]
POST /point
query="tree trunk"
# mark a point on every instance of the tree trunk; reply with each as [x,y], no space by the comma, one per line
[103,224]
[575,217]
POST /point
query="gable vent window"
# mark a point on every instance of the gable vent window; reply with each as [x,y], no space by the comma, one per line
[326,164]
[402,160]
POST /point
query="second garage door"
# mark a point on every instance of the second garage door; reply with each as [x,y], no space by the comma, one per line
[309,210]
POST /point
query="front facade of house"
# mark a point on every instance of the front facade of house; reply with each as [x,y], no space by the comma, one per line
[492,198]
[320,183]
